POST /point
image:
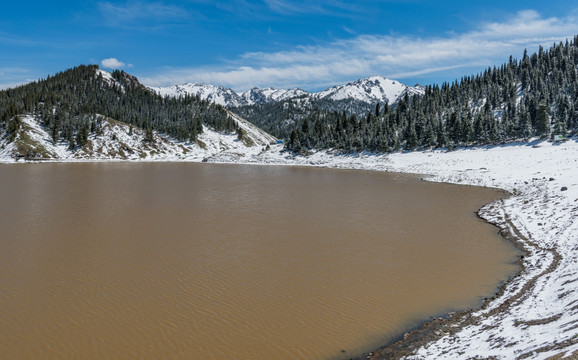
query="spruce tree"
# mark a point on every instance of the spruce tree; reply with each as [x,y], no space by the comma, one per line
[542,121]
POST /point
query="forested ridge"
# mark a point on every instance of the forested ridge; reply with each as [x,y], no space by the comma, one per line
[68,102]
[534,96]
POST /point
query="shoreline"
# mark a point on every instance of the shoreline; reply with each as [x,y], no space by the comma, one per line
[433,329]
[534,314]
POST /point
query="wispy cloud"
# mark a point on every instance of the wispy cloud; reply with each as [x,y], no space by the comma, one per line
[285,6]
[25,42]
[399,57]
[348,30]
[133,11]
[314,6]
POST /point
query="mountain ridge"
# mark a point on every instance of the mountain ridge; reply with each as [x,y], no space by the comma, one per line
[372,90]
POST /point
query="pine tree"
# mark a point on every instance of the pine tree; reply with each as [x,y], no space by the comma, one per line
[240,133]
[13,126]
[149,137]
[542,121]
[411,137]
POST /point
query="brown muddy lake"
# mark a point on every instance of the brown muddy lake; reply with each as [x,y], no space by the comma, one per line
[202,261]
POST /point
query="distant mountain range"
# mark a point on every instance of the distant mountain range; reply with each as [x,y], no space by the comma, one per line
[373,90]
[228,97]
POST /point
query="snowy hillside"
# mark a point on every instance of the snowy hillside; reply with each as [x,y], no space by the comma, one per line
[118,141]
[375,89]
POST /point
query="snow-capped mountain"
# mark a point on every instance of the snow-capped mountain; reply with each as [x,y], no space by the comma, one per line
[228,97]
[375,89]
[215,94]
[263,96]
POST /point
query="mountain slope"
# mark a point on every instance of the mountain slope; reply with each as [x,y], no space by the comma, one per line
[279,111]
[87,113]
[119,141]
[534,97]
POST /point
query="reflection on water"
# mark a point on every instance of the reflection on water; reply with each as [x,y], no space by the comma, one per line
[183,261]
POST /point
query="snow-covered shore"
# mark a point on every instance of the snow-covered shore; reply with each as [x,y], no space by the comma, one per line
[536,315]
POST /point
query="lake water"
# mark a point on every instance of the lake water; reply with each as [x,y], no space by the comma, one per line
[201,261]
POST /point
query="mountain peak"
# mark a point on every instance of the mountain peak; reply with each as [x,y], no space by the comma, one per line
[374,89]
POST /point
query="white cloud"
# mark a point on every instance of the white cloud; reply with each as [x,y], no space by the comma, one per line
[394,56]
[112,63]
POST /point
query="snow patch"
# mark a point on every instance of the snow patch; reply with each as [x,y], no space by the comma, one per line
[106,76]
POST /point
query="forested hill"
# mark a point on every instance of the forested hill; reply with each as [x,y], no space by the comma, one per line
[67,103]
[534,96]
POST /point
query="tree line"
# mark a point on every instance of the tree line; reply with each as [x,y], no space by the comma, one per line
[536,96]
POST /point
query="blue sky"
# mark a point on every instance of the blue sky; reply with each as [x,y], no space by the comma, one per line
[280,43]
